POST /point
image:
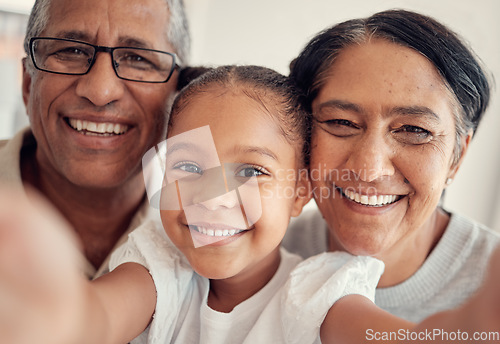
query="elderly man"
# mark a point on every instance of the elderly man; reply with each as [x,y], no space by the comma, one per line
[97,83]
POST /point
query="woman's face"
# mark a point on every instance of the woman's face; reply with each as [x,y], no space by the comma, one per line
[382,148]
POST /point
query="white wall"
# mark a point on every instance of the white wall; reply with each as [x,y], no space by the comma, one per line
[272,32]
[12,28]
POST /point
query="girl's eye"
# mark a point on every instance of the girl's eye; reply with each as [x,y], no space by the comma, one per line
[412,134]
[250,171]
[188,167]
[339,127]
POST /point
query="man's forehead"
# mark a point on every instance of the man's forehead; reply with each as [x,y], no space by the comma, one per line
[111,22]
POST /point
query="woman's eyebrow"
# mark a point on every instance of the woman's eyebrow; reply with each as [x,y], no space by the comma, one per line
[341,105]
[415,110]
[398,110]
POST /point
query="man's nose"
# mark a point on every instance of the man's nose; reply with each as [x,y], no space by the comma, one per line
[101,86]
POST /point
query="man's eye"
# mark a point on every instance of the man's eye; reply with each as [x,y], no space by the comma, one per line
[137,61]
[72,53]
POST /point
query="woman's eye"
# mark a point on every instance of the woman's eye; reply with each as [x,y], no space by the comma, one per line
[250,171]
[188,167]
[413,134]
[339,127]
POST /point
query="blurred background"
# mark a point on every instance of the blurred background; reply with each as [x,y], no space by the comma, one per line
[272,33]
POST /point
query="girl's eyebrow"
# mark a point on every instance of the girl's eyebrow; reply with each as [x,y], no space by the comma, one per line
[264,151]
[185,146]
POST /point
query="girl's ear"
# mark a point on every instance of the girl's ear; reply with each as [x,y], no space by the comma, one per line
[303,192]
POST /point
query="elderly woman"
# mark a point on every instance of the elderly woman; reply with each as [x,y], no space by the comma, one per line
[396,99]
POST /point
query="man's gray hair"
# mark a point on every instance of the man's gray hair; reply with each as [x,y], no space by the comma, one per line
[177,31]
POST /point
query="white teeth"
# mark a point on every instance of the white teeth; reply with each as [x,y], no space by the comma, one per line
[98,128]
[374,200]
[91,126]
[216,232]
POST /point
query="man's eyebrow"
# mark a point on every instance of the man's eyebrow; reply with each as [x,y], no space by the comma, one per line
[264,151]
[74,34]
[124,41]
[341,105]
[127,41]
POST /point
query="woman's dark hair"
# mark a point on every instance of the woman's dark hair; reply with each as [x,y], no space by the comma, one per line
[459,68]
[271,90]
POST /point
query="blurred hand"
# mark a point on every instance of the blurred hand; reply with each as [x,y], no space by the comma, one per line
[41,287]
[482,312]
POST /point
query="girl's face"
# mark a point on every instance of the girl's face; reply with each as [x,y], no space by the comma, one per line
[382,148]
[234,178]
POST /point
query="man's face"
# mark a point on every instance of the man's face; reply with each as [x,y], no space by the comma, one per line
[94,129]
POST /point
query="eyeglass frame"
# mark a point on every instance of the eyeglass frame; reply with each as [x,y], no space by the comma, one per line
[101,48]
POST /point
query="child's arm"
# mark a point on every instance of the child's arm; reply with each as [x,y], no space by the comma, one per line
[355,319]
[119,305]
[44,297]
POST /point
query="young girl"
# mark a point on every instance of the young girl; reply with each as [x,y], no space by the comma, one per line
[233,177]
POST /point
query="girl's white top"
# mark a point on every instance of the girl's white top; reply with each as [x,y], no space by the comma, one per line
[289,309]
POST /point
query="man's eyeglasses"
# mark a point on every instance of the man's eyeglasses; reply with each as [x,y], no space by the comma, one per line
[70,57]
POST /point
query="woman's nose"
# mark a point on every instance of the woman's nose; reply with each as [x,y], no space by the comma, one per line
[371,157]
[101,86]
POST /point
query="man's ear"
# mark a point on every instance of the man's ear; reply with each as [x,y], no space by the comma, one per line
[465,141]
[303,192]
[27,77]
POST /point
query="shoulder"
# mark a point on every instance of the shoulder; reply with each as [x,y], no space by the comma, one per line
[317,283]
[149,246]
[475,238]
[338,270]
[10,156]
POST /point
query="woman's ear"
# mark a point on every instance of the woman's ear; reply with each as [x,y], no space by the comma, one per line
[465,141]
[303,192]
